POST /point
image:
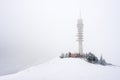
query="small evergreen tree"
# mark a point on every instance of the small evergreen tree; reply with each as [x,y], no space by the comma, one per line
[62,55]
[69,54]
[91,58]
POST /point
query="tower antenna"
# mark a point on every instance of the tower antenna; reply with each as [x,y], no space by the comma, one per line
[80,14]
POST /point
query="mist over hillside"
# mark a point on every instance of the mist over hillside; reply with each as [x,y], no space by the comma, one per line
[35,31]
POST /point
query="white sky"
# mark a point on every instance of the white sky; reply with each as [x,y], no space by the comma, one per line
[31,30]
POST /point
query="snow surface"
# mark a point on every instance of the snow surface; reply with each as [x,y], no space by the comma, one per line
[67,69]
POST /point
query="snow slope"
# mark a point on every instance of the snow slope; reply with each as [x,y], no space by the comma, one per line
[67,69]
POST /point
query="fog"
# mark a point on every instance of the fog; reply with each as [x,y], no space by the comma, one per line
[34,31]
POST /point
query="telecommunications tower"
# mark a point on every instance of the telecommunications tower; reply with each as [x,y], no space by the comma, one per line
[80,34]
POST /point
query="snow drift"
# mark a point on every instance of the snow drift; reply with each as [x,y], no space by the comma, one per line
[67,69]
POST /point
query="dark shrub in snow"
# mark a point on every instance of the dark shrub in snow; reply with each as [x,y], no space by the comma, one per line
[91,58]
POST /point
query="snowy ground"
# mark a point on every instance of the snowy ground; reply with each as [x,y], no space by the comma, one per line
[67,69]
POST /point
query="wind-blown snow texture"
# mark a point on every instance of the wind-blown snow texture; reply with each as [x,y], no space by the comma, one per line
[67,69]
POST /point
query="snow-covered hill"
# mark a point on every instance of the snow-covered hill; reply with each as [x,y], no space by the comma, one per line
[67,69]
